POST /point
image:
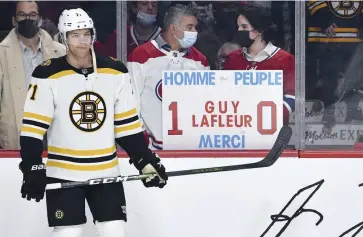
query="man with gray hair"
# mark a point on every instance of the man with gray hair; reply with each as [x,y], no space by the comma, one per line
[172,50]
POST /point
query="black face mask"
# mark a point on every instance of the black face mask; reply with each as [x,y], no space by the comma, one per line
[28,28]
[243,38]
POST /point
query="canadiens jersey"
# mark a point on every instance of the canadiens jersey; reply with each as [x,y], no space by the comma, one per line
[271,58]
[82,113]
[347,15]
[146,64]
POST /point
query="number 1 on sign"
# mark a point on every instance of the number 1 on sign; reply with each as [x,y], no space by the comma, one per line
[173,107]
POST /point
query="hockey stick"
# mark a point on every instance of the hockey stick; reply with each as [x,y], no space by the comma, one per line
[280,144]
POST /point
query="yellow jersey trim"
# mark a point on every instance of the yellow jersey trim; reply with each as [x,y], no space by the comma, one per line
[43,118]
[108,71]
[334,40]
[126,114]
[338,30]
[62,74]
[33,130]
[71,152]
[320,6]
[128,127]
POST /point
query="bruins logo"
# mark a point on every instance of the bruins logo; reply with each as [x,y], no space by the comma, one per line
[59,214]
[346,9]
[88,111]
[46,63]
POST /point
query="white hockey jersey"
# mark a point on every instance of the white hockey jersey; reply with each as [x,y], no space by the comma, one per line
[82,115]
[146,64]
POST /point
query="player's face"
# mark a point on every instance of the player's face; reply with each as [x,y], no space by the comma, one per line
[79,42]
[244,25]
[186,23]
[149,7]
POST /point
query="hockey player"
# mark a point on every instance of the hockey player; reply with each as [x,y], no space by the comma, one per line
[172,50]
[334,36]
[254,34]
[84,103]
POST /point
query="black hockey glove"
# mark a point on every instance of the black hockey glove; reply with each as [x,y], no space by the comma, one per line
[34,181]
[152,164]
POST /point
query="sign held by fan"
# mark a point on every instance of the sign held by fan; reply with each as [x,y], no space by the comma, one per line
[221,109]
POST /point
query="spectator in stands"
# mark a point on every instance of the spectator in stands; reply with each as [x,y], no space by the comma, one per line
[225,14]
[208,42]
[172,50]
[333,39]
[223,53]
[143,29]
[49,27]
[255,31]
[24,48]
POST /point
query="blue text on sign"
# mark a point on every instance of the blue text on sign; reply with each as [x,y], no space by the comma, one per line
[222,141]
[189,78]
[257,78]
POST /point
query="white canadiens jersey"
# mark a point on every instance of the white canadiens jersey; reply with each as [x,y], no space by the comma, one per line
[82,115]
[146,64]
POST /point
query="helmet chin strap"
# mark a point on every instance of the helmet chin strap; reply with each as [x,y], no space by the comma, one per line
[94,61]
[93,53]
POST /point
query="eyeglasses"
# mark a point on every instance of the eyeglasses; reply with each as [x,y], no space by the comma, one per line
[22,16]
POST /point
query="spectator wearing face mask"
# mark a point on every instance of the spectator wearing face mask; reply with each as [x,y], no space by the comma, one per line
[255,31]
[172,50]
[23,49]
[142,29]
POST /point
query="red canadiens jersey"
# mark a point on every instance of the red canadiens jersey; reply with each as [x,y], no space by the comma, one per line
[109,47]
[271,58]
[145,65]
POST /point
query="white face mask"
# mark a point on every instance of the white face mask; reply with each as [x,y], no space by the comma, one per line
[146,19]
[189,39]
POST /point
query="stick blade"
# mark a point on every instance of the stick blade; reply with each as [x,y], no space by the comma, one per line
[282,140]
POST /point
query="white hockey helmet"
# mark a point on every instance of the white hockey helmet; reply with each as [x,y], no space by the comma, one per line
[75,19]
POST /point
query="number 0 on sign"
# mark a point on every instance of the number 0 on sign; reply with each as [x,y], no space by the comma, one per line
[221,109]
